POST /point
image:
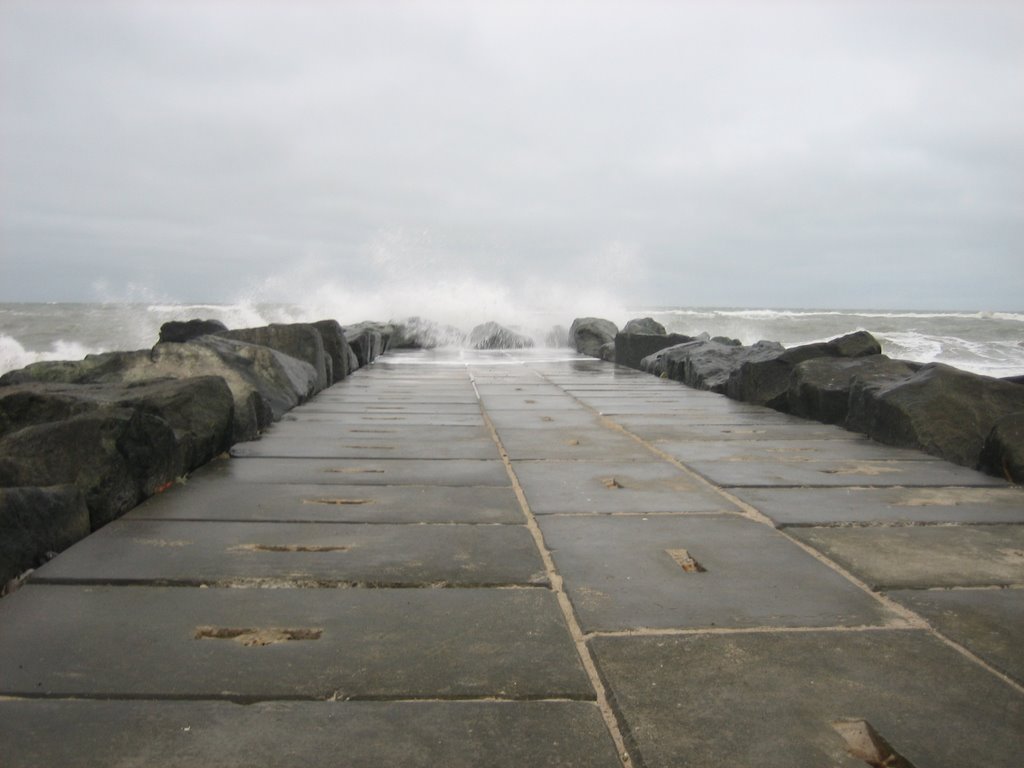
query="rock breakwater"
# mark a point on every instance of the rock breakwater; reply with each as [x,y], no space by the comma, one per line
[82,442]
[966,418]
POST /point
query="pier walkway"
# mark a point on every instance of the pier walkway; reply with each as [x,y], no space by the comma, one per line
[511,559]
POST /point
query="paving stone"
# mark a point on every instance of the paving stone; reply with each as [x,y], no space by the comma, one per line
[352,734]
[605,487]
[571,443]
[854,448]
[401,434]
[628,573]
[841,472]
[462,472]
[552,419]
[770,699]
[989,622]
[343,407]
[355,446]
[160,642]
[528,402]
[667,429]
[301,554]
[223,499]
[387,418]
[918,556]
[803,506]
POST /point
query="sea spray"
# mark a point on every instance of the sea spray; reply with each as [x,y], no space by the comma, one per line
[987,343]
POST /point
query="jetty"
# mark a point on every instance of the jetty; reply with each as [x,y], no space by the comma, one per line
[532,558]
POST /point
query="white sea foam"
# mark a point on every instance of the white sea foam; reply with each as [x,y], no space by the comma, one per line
[13,355]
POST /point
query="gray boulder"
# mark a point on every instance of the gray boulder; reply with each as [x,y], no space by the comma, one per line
[820,388]
[945,411]
[709,364]
[199,410]
[299,340]
[644,325]
[185,330]
[632,348]
[588,334]
[765,381]
[368,340]
[115,456]
[36,523]
[491,335]
[335,347]
[1003,452]
[264,383]
[607,352]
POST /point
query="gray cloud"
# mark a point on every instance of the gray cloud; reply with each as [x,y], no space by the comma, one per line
[804,154]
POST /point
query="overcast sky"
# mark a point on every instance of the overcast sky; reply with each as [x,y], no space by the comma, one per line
[825,154]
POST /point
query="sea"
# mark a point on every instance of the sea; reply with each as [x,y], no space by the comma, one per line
[988,343]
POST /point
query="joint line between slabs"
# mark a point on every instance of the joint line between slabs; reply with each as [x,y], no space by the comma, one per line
[912,619]
[579,639]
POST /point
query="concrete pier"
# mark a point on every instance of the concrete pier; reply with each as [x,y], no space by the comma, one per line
[509,559]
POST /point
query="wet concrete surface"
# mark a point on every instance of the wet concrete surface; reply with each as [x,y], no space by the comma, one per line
[586,566]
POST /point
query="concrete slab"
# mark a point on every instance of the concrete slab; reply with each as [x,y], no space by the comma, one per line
[853,448]
[722,413]
[669,429]
[918,557]
[349,734]
[750,700]
[268,502]
[989,622]
[808,506]
[627,573]
[364,471]
[606,487]
[346,407]
[189,553]
[556,419]
[528,402]
[571,443]
[395,432]
[840,472]
[367,445]
[379,417]
[259,644]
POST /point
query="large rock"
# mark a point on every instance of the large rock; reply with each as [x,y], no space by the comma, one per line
[180,331]
[199,410]
[115,456]
[299,340]
[491,335]
[644,325]
[588,334]
[336,348]
[820,388]
[1003,451]
[766,381]
[709,364]
[632,348]
[37,522]
[368,340]
[945,411]
[264,383]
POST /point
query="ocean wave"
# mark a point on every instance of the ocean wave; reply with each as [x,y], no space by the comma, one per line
[14,356]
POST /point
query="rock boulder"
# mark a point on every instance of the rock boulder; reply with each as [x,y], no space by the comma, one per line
[644,325]
[588,334]
[765,381]
[491,335]
[1003,452]
[632,348]
[37,522]
[185,330]
[945,411]
[820,388]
